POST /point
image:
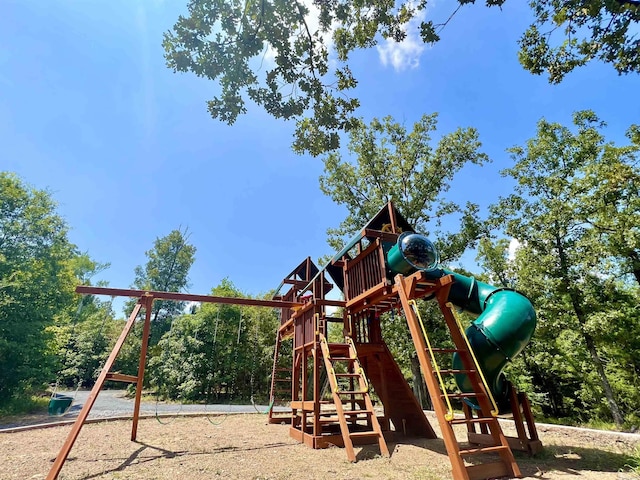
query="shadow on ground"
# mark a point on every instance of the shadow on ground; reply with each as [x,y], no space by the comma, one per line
[141,455]
[569,460]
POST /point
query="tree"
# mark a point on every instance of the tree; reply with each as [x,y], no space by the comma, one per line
[166,270]
[610,200]
[606,30]
[556,369]
[86,343]
[547,215]
[227,41]
[392,163]
[36,284]
[219,353]
[83,337]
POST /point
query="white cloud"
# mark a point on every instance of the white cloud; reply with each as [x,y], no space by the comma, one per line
[514,245]
[312,19]
[400,55]
[405,54]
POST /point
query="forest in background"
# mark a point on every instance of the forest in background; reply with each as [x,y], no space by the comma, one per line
[567,237]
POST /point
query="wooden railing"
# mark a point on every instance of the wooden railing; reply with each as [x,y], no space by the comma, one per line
[305,328]
[366,271]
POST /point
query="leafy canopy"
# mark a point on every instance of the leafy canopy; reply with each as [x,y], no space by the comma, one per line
[36,283]
[291,57]
[392,163]
[556,213]
[166,270]
[592,29]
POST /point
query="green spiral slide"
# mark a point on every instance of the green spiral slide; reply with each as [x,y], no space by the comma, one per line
[505,319]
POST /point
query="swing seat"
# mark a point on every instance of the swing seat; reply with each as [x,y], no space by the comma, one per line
[59,405]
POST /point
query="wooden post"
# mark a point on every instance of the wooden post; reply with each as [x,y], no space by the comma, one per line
[317,428]
[404,287]
[148,307]
[84,413]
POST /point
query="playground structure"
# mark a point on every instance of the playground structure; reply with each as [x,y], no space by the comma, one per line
[385,268]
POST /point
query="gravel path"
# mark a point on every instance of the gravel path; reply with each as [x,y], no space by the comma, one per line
[114,403]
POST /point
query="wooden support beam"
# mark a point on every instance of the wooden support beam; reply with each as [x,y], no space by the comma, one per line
[84,413]
[184,297]
[120,377]
[148,304]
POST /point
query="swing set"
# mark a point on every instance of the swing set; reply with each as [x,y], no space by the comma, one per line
[145,302]
[386,267]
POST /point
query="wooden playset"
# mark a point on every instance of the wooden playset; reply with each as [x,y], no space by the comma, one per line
[331,386]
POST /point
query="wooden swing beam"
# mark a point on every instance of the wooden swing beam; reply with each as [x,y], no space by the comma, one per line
[146,299]
[184,297]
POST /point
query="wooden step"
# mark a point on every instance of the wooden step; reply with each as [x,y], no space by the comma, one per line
[445,350]
[490,449]
[336,419]
[346,412]
[452,371]
[488,470]
[367,434]
[460,395]
[345,418]
[460,421]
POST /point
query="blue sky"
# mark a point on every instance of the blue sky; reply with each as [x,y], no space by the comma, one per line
[89,111]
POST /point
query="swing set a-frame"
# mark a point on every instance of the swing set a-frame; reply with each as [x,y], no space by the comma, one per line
[385,268]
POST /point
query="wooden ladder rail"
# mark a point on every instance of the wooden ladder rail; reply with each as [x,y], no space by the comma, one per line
[356,373]
[507,465]
[276,392]
[146,302]
[274,370]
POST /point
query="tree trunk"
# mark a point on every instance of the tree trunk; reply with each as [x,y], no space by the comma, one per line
[576,302]
[635,264]
[419,386]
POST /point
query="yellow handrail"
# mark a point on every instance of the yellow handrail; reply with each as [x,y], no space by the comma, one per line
[449,415]
[324,345]
[495,412]
[353,353]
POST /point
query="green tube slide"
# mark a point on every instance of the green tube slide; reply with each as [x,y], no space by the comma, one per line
[505,319]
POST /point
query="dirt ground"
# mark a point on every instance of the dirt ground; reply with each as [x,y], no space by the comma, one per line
[245,447]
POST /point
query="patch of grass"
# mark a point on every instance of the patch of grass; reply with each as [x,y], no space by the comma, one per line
[634,462]
[600,425]
[596,424]
[24,405]
[425,474]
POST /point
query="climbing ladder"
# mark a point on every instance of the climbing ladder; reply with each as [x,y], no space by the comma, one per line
[465,459]
[350,390]
[281,381]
